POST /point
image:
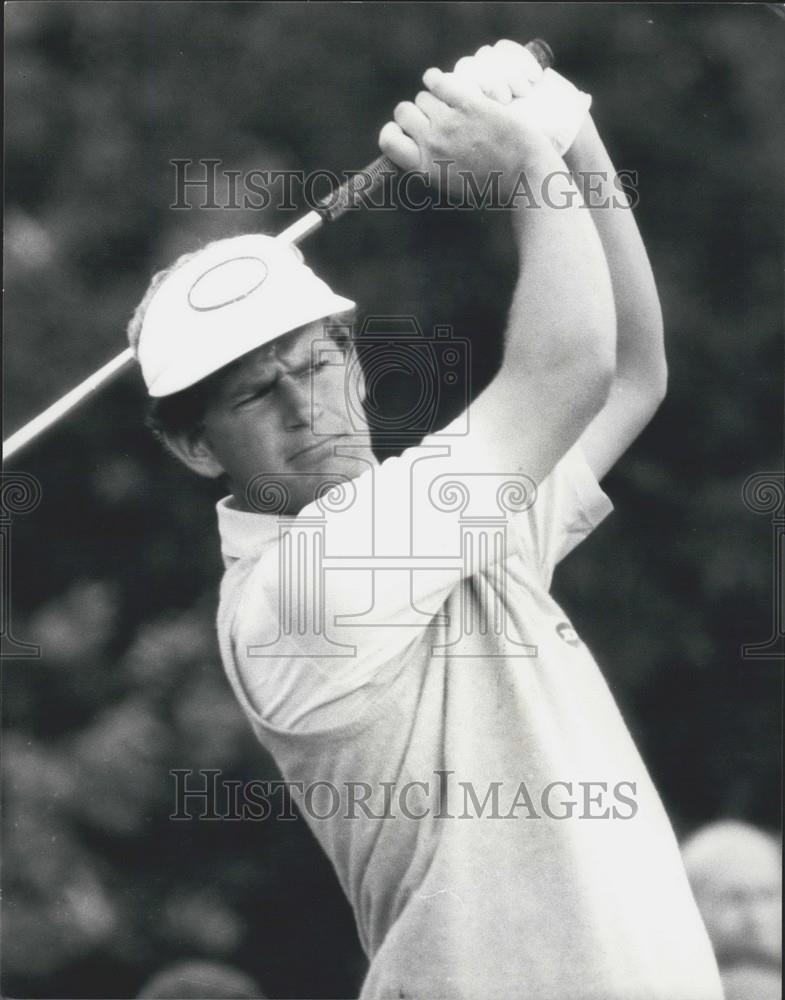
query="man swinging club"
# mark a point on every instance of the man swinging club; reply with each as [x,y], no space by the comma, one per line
[563,880]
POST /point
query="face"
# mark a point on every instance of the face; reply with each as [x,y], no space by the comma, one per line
[740,900]
[284,412]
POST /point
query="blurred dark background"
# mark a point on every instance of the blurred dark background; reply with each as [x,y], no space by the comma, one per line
[115,574]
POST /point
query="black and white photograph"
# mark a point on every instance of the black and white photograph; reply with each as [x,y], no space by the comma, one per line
[393,504]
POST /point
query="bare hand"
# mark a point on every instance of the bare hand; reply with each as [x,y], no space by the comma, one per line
[509,74]
[454,121]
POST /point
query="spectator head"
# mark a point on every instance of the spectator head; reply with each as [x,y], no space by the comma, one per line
[752,982]
[195,980]
[736,874]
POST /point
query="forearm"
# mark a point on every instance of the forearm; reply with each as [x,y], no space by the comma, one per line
[560,340]
[640,354]
[563,305]
[560,345]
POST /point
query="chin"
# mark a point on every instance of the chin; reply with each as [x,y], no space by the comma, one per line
[334,459]
[352,465]
[342,467]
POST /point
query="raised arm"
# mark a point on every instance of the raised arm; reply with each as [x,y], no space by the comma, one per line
[639,384]
[560,341]
[555,377]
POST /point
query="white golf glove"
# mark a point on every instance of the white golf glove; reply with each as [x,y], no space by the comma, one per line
[507,72]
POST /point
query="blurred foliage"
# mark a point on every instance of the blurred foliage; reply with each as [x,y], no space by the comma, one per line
[115,574]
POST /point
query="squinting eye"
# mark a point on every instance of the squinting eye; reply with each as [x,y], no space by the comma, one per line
[252,397]
[313,368]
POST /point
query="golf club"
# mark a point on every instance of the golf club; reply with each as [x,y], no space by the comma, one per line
[330,208]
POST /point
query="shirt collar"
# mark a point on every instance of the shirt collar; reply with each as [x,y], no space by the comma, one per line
[243,533]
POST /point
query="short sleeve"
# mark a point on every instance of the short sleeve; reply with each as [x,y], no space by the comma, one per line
[569,504]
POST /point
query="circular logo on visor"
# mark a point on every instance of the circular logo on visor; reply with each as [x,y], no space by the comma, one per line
[227,282]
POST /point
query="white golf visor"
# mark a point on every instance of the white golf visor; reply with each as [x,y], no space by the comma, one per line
[230,298]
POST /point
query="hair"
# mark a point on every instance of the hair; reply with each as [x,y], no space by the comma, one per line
[135,324]
[183,412]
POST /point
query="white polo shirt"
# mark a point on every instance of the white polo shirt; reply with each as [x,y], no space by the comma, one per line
[485,808]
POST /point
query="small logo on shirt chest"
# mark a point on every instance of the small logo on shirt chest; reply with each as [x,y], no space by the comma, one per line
[566,632]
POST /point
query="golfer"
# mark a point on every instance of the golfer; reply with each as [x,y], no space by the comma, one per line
[446,733]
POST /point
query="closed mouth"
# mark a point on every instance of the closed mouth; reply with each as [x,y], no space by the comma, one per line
[313,447]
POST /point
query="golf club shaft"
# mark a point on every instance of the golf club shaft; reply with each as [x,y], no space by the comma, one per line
[330,208]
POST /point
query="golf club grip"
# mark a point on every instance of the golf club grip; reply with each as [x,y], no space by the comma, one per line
[365,181]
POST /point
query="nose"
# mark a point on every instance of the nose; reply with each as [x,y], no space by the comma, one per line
[296,397]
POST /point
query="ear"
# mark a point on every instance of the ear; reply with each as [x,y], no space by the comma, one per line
[193,450]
